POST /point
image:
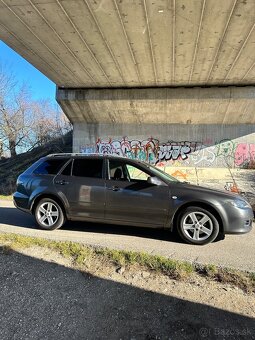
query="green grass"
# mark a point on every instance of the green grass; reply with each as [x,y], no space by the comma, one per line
[252,277]
[173,268]
[6,197]
[180,270]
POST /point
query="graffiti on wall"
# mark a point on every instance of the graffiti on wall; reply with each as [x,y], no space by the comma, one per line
[225,153]
[149,150]
[245,154]
[175,150]
[146,150]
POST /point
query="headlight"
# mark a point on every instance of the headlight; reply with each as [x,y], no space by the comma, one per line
[240,204]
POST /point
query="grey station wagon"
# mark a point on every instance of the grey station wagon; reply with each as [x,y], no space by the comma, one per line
[116,190]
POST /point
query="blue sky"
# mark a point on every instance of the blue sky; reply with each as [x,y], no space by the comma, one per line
[40,86]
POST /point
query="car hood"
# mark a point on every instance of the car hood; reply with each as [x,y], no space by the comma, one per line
[186,187]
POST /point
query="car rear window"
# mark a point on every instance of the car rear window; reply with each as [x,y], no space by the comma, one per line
[88,168]
[50,166]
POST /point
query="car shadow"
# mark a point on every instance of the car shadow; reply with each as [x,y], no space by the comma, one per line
[17,218]
[142,232]
[152,233]
[14,217]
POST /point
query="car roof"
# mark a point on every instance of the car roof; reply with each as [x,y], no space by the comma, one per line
[90,155]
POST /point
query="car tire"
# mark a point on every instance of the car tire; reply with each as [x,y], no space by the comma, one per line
[49,215]
[197,226]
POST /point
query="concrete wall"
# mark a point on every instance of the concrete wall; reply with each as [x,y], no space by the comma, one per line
[221,156]
[178,145]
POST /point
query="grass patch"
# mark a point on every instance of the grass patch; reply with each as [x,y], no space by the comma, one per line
[180,270]
[252,277]
[172,268]
[237,278]
[6,197]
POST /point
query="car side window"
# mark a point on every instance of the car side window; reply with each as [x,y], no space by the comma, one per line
[88,168]
[136,173]
[50,166]
[122,171]
[117,171]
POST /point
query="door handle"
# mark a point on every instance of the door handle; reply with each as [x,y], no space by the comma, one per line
[114,188]
[62,182]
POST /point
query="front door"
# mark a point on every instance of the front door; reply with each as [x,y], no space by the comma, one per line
[130,198]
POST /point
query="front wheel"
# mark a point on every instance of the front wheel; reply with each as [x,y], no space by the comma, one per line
[49,215]
[197,226]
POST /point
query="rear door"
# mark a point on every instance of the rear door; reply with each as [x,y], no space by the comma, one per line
[84,188]
[130,198]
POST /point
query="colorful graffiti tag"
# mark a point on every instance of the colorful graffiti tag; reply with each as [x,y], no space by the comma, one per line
[245,154]
[146,150]
[224,153]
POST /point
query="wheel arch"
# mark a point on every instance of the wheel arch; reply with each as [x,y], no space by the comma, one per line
[203,205]
[51,196]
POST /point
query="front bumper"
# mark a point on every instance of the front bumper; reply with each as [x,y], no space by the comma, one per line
[239,221]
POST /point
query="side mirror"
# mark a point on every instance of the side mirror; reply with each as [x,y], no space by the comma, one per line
[154,180]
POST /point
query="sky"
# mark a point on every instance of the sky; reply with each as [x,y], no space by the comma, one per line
[40,86]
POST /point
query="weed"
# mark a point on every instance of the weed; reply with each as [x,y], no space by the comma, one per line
[180,270]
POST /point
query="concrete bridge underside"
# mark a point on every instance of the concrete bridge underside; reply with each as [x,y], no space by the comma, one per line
[134,43]
[140,44]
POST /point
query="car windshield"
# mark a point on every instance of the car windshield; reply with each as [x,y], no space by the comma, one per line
[161,173]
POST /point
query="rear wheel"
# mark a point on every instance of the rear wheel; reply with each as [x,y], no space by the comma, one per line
[49,215]
[198,226]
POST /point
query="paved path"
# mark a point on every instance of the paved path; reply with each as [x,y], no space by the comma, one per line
[236,251]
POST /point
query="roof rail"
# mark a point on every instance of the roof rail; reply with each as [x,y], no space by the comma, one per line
[73,154]
[59,154]
[80,154]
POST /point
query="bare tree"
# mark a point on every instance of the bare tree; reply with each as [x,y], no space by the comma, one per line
[25,123]
[14,113]
[1,149]
[50,122]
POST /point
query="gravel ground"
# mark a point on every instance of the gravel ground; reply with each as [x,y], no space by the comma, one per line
[43,297]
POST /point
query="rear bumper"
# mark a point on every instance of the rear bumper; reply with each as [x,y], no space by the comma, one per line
[21,202]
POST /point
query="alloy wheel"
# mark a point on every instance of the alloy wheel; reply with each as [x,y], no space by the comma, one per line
[48,214]
[197,226]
